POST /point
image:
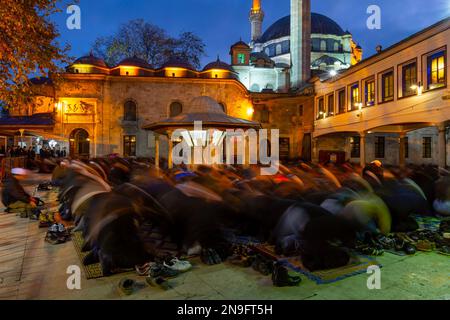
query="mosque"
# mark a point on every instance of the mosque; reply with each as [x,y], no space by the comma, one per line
[304,76]
[269,61]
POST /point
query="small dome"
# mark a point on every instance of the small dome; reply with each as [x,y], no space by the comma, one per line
[204,104]
[218,65]
[91,60]
[320,24]
[135,62]
[175,62]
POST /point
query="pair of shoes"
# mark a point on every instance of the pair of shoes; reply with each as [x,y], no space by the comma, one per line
[177,265]
[262,265]
[57,234]
[403,244]
[425,245]
[282,278]
[210,257]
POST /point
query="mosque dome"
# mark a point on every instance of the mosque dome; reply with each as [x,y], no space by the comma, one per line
[135,62]
[91,60]
[204,104]
[220,65]
[320,24]
[176,62]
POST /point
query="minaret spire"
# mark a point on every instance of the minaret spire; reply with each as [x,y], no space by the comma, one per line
[256,20]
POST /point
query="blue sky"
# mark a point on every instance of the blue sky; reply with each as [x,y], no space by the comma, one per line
[221,23]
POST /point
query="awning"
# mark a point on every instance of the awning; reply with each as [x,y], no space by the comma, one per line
[33,133]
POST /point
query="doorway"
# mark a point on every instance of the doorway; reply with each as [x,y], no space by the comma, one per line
[79,143]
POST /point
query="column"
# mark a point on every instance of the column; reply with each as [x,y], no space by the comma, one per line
[157,151]
[169,156]
[362,149]
[401,150]
[442,146]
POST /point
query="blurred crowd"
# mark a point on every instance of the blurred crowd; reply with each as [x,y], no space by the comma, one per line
[316,212]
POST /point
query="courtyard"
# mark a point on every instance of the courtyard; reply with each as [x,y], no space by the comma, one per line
[31,268]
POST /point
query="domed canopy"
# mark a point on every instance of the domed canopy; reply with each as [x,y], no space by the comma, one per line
[176,62]
[91,60]
[135,62]
[204,104]
[205,109]
[220,65]
[319,24]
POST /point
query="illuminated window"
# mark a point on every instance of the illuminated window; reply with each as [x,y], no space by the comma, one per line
[300,111]
[409,76]
[387,83]
[320,108]
[355,147]
[336,46]
[129,111]
[278,49]
[176,108]
[330,105]
[436,70]
[426,147]
[241,58]
[370,92]
[354,97]
[341,101]
[380,147]
[323,45]
[129,146]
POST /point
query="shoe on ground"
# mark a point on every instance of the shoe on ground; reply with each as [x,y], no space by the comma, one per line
[157,282]
[178,265]
[282,278]
[159,270]
[126,286]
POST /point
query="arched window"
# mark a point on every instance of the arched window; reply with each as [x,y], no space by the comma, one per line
[336,46]
[176,108]
[323,45]
[255,88]
[278,49]
[129,111]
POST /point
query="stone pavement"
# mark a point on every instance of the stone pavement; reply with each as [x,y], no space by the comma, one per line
[30,268]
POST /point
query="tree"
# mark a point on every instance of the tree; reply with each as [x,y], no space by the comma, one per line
[150,43]
[27,46]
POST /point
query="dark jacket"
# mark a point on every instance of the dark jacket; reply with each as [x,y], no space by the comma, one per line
[12,192]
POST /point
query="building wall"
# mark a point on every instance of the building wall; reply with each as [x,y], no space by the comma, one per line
[152,96]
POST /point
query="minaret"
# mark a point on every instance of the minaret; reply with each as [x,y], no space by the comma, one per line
[256,20]
[300,42]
